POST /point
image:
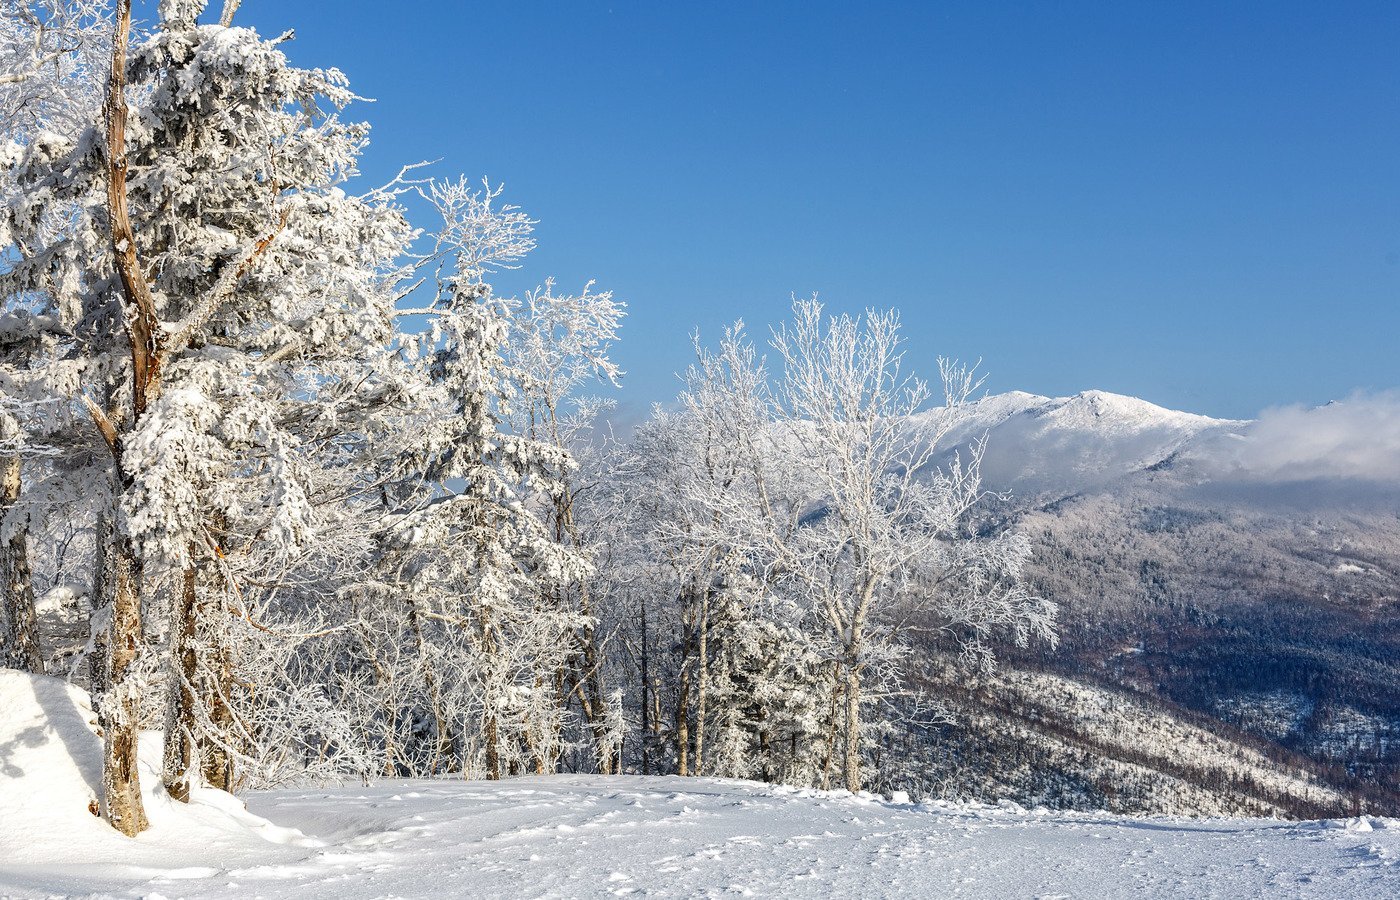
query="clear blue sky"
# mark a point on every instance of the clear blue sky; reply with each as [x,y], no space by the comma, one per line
[1192,204]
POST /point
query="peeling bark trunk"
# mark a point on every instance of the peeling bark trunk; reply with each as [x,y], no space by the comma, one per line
[19,642]
[118,709]
[121,788]
[178,762]
[101,590]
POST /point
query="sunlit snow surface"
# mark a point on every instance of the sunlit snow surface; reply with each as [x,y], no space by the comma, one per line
[569,836]
[588,836]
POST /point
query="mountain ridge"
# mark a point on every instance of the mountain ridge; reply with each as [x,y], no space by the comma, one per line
[1256,600]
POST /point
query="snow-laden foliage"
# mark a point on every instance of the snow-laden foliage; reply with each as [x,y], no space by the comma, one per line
[805,534]
[320,502]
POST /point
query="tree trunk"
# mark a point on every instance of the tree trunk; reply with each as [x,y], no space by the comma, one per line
[646,692]
[683,720]
[595,710]
[215,756]
[683,724]
[852,756]
[597,697]
[765,746]
[491,733]
[19,641]
[118,710]
[829,751]
[704,686]
[209,615]
[491,728]
[179,761]
[98,661]
[443,747]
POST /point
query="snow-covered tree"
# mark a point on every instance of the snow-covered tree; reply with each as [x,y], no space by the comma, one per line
[884,524]
[242,274]
[51,67]
[471,554]
[558,344]
[802,516]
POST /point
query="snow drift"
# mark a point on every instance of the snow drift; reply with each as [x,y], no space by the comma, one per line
[50,775]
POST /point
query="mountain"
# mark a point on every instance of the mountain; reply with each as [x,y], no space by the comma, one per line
[1039,446]
[1202,583]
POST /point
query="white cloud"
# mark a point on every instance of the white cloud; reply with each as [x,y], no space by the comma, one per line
[1356,438]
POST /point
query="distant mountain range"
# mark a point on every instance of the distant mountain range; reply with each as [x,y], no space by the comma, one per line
[1241,577]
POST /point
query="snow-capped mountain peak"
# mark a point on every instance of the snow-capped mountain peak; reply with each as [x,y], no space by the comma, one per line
[1039,444]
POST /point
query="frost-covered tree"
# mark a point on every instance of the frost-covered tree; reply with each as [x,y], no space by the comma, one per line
[884,524]
[50,88]
[697,493]
[471,555]
[799,516]
[558,344]
[53,56]
[241,275]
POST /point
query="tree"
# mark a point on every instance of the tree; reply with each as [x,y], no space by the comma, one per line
[809,516]
[884,523]
[50,57]
[246,276]
[469,553]
[559,343]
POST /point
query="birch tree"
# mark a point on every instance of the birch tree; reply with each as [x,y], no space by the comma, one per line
[886,524]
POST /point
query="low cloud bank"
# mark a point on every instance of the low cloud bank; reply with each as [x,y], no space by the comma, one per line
[1356,438]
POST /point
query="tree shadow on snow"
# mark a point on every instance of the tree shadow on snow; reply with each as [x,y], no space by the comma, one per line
[65,719]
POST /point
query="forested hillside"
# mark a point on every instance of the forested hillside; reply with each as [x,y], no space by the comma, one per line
[1204,588]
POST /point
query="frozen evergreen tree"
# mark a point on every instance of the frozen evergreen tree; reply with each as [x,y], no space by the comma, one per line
[472,556]
[244,278]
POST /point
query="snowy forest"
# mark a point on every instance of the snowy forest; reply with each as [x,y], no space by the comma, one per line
[291,483]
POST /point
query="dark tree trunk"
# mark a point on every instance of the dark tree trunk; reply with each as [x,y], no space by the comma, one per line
[19,639]
[178,763]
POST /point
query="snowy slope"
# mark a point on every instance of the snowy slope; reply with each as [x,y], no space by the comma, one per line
[50,773]
[568,836]
[1062,445]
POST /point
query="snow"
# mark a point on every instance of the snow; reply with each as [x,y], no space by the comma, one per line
[50,772]
[562,836]
[1061,445]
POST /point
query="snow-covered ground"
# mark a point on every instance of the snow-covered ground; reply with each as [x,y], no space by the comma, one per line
[567,836]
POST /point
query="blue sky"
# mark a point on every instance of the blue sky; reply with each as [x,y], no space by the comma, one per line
[1195,203]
